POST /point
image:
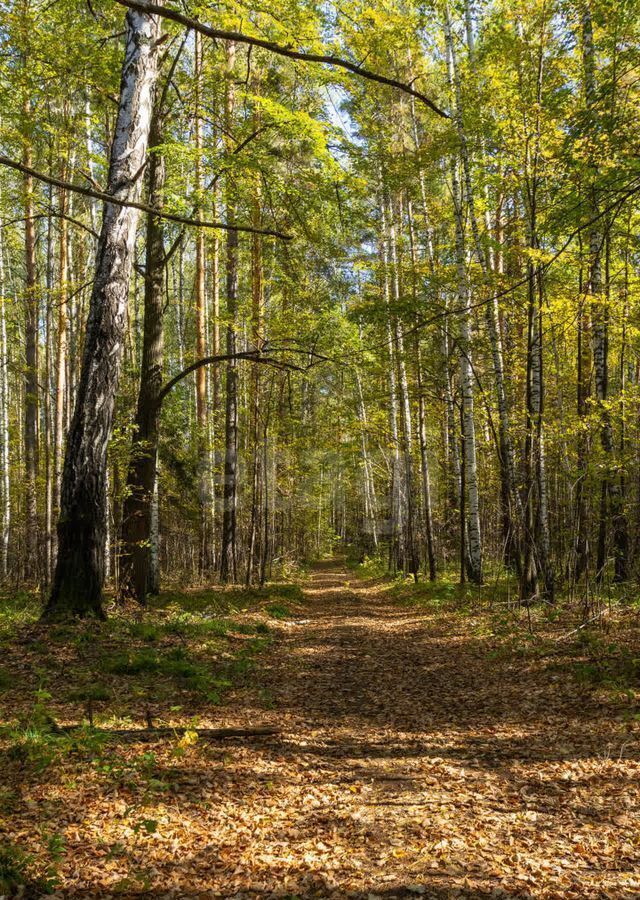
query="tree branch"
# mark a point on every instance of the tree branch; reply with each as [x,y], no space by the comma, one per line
[217,33]
[258,356]
[110,198]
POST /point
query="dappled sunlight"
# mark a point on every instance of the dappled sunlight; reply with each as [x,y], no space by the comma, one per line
[407,761]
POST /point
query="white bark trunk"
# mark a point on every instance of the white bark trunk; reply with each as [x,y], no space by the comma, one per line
[5,492]
[80,569]
[466,372]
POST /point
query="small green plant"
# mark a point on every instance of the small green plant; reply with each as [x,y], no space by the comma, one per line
[14,866]
[145,631]
[22,874]
[278,611]
[132,663]
[90,692]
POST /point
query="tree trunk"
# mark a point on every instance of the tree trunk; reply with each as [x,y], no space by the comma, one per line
[228,552]
[61,353]
[610,485]
[474,543]
[511,503]
[396,536]
[410,561]
[370,500]
[80,568]
[5,477]
[135,558]
[424,465]
[32,557]
[202,407]
[536,563]
[258,338]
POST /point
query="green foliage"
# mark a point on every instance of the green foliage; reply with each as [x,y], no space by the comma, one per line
[13,869]
[608,664]
[278,611]
[38,742]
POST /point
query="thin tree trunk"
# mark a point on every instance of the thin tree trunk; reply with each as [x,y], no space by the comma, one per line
[32,557]
[371,504]
[537,563]
[396,542]
[598,297]
[466,371]
[61,351]
[258,337]
[424,464]
[228,553]
[5,475]
[202,407]
[511,503]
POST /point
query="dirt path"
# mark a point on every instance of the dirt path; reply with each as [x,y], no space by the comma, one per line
[411,763]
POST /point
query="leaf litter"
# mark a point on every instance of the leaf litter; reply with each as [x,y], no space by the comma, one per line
[410,761]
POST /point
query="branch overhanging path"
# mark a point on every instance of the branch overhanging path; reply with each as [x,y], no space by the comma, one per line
[281,50]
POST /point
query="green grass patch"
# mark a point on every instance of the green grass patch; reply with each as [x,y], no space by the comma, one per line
[278,610]
[17,608]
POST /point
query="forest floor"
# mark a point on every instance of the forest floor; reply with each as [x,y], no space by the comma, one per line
[423,749]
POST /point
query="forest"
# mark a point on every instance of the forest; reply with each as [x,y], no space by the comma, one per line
[319,448]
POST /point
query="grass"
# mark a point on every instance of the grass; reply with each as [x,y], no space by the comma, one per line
[174,663]
[178,657]
[602,656]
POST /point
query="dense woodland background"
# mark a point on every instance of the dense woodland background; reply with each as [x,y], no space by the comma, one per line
[441,320]
[320,449]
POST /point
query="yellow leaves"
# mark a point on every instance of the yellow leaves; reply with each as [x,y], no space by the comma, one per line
[188,739]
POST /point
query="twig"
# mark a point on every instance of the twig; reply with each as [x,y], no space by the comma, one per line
[156,734]
[598,615]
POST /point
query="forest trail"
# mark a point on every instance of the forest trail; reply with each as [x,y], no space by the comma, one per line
[418,752]
[410,764]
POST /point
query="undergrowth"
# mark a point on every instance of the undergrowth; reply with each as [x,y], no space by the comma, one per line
[66,690]
[598,652]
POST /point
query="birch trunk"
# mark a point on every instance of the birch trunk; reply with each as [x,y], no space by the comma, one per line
[370,500]
[258,337]
[202,407]
[80,568]
[410,561]
[424,465]
[61,354]
[396,548]
[473,542]
[32,557]
[512,505]
[5,492]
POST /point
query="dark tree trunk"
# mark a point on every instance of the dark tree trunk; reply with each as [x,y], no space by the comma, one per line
[135,571]
[228,553]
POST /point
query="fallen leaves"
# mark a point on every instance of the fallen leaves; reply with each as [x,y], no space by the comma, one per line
[408,763]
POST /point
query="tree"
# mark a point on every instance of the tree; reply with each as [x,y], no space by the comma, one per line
[79,572]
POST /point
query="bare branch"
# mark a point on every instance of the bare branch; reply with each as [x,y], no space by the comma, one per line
[258,356]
